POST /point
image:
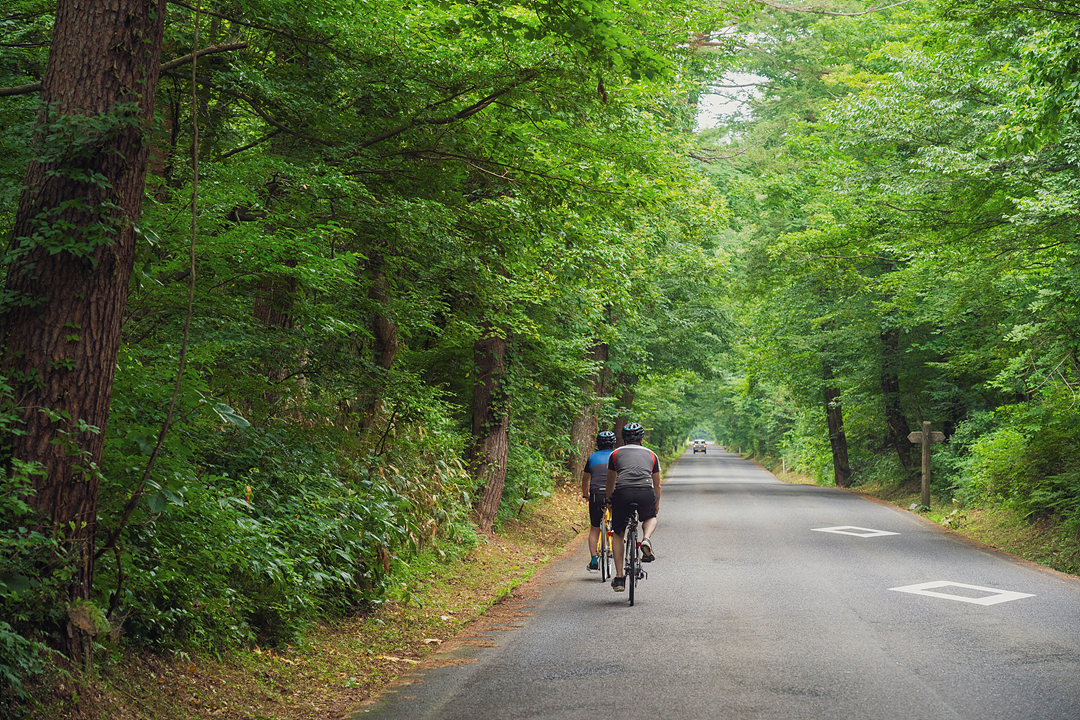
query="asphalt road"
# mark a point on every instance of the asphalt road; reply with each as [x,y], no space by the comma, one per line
[770,601]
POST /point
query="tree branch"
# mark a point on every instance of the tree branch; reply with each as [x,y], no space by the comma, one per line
[20,89]
[211,50]
[35,87]
[1051,11]
[732,87]
[821,11]
[269,120]
[266,28]
[242,148]
[709,159]
[460,115]
[477,164]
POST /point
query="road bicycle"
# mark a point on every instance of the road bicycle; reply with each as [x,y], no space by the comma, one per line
[603,550]
[632,554]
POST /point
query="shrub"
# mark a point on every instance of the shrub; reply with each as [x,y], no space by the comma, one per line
[32,570]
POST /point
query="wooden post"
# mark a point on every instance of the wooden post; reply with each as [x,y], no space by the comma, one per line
[926,438]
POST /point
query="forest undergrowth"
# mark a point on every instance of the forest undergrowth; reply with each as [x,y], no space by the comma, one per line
[340,663]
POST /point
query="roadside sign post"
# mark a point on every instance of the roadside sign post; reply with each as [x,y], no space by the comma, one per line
[926,438]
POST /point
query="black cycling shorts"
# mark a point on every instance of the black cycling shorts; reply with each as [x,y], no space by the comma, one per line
[620,506]
[597,500]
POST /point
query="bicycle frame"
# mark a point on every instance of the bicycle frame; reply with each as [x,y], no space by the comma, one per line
[603,549]
[632,554]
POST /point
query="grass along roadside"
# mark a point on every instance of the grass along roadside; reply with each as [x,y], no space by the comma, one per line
[340,663]
[1042,541]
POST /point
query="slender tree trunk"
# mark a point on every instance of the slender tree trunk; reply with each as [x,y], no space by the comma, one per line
[275,298]
[61,334]
[586,424]
[896,425]
[491,420]
[837,438]
[386,330]
[626,382]
[385,333]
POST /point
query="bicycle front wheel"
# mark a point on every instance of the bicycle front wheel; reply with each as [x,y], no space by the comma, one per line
[604,553]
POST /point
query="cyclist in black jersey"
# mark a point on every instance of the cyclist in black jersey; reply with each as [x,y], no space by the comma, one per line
[633,476]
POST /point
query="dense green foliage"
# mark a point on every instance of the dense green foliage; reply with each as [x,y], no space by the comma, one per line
[889,229]
[378,184]
[905,204]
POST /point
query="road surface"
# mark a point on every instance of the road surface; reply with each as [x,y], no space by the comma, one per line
[770,601]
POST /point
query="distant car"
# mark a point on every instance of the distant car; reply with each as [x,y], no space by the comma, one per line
[699,446]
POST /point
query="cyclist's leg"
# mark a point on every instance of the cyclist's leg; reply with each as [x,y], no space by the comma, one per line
[596,516]
[618,548]
[648,524]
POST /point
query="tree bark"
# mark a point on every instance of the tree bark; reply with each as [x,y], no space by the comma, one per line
[386,330]
[490,422]
[626,383]
[585,425]
[386,342]
[72,255]
[896,426]
[274,307]
[275,300]
[837,439]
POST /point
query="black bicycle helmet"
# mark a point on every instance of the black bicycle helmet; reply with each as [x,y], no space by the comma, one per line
[605,440]
[632,433]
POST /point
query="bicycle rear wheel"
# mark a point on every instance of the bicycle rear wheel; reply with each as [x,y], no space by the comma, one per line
[632,562]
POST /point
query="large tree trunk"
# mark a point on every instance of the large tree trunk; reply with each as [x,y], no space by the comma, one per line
[491,420]
[837,439]
[586,424]
[896,425]
[74,241]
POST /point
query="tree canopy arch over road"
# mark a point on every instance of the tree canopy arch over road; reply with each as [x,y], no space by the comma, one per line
[440,244]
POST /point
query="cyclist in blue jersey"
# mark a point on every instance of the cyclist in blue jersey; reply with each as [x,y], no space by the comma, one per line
[592,489]
[633,476]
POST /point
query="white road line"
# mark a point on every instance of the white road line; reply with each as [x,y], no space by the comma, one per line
[853,530]
[993,597]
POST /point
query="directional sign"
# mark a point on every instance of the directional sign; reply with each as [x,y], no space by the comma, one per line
[926,438]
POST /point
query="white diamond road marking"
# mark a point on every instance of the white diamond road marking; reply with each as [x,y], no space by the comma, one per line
[994,597]
[856,531]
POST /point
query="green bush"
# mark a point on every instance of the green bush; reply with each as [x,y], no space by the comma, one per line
[529,477]
[25,593]
[32,571]
[247,532]
[1031,462]
[953,472]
